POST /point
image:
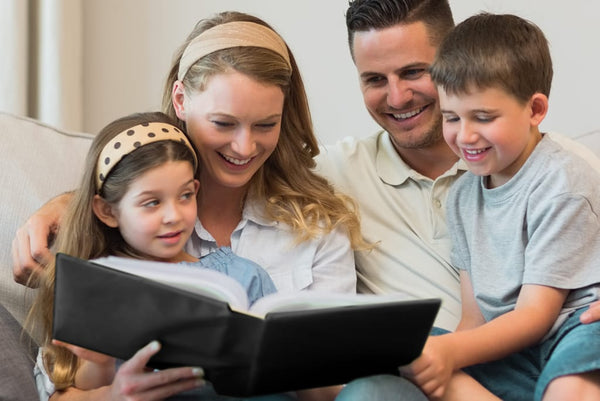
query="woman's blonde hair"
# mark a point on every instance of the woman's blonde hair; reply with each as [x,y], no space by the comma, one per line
[83,235]
[287,184]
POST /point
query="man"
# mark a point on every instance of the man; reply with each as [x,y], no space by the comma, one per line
[400,176]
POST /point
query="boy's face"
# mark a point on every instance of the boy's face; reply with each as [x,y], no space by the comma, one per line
[490,130]
[397,90]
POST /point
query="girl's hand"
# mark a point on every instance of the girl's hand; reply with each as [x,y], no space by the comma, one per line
[88,355]
[433,369]
[94,370]
[134,381]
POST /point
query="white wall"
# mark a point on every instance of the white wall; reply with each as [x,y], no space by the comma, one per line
[129,46]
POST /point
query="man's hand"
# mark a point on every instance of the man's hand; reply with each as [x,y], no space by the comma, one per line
[31,245]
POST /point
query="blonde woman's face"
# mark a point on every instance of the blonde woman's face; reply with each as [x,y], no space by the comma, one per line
[234,124]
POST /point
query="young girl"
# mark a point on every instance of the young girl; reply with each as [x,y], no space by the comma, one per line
[137,198]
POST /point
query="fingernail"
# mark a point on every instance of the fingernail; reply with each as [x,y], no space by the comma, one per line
[154,345]
[198,372]
[200,383]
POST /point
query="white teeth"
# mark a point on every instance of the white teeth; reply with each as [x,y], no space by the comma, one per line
[403,116]
[237,162]
[474,151]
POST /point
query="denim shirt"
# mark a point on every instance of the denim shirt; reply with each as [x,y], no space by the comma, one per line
[251,276]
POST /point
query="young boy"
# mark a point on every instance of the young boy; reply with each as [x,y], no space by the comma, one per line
[524,222]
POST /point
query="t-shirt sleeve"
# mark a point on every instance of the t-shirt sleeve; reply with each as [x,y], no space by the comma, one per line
[564,243]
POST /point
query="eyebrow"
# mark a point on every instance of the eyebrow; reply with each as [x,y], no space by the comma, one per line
[444,111]
[411,66]
[151,192]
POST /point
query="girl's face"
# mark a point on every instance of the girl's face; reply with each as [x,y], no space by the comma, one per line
[234,124]
[158,212]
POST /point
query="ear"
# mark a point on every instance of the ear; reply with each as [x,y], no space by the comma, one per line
[104,211]
[178,99]
[539,108]
[196,186]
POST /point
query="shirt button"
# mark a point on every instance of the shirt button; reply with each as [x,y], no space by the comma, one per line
[437,203]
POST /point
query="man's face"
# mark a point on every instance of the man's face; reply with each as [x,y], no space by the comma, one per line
[397,89]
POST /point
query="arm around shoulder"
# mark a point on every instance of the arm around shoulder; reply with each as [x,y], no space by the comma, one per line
[31,245]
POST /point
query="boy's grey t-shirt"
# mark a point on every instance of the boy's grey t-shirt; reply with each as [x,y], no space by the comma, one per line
[542,227]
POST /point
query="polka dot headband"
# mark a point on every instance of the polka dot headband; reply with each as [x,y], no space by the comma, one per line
[133,138]
[231,34]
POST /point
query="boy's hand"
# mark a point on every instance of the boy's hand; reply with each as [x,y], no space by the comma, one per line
[592,314]
[432,370]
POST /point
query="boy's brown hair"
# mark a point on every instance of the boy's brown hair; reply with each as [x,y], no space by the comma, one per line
[489,50]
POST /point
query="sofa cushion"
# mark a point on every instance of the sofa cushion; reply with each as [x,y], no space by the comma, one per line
[590,140]
[38,162]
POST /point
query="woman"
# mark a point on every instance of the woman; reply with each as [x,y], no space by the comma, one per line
[235,88]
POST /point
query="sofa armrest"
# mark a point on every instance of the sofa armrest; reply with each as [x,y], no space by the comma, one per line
[38,162]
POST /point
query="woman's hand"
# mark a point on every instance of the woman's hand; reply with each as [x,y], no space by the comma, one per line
[30,247]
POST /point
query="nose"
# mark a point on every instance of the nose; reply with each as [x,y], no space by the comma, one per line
[171,213]
[243,142]
[399,92]
[466,133]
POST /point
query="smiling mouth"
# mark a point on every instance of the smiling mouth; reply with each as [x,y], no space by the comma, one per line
[410,114]
[237,162]
[474,152]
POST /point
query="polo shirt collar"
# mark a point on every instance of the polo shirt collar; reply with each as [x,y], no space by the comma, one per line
[394,171]
[390,167]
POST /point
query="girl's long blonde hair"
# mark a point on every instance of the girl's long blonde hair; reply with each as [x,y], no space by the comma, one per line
[292,192]
[83,235]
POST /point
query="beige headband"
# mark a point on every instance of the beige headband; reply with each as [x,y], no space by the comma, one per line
[231,34]
[133,138]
